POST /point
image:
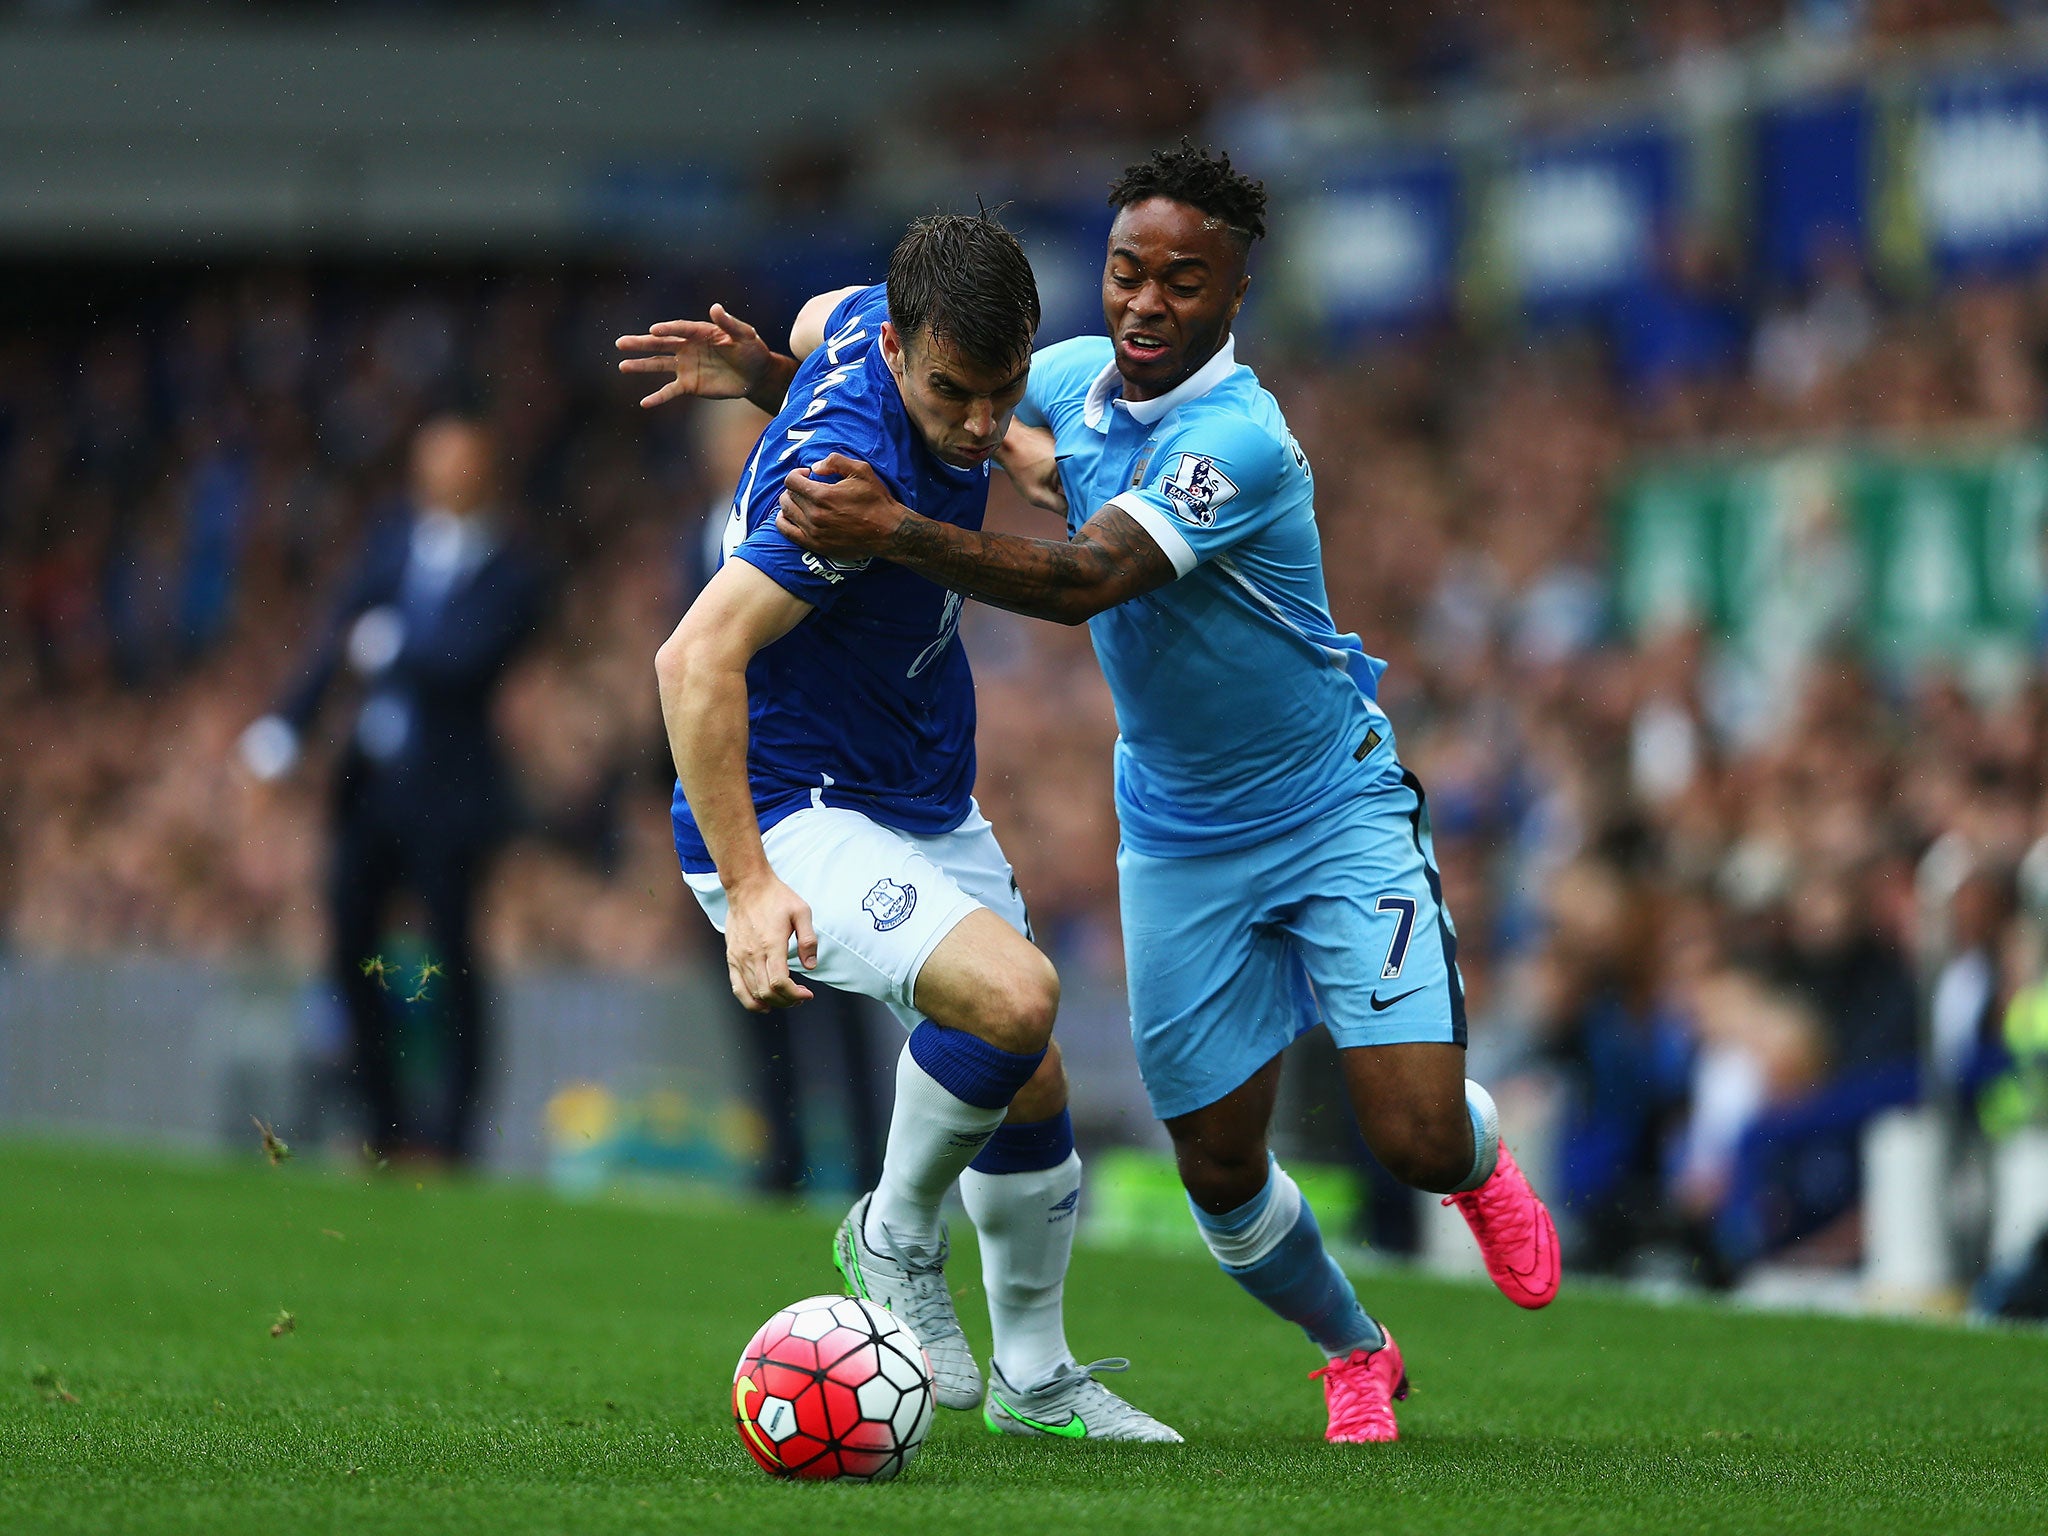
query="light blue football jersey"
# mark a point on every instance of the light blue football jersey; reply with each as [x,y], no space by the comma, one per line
[1243,713]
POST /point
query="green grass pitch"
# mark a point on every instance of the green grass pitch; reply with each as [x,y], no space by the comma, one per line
[474,1358]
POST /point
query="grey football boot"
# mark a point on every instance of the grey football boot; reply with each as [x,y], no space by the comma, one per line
[911,1284]
[1071,1406]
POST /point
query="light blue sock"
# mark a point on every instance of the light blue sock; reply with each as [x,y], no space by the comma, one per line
[1272,1247]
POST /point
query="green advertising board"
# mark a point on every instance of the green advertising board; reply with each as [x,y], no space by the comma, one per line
[1930,554]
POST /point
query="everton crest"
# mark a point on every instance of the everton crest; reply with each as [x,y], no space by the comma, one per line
[889,903]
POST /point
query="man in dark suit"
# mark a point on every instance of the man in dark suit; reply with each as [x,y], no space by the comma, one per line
[429,621]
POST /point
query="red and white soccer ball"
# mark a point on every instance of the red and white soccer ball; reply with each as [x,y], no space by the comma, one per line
[833,1387]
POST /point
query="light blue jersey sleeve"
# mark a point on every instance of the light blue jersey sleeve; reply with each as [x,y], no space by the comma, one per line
[1062,371]
[1216,480]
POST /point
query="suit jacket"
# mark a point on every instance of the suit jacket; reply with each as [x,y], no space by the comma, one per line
[423,754]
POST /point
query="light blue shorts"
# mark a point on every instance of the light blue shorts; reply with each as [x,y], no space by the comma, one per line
[1231,956]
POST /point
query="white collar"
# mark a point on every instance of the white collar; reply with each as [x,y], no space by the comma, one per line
[1104,392]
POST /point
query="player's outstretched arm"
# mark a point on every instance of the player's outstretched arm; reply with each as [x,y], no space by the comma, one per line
[852,516]
[702,670]
[722,358]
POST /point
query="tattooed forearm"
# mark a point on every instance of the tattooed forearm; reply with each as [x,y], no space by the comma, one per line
[1068,581]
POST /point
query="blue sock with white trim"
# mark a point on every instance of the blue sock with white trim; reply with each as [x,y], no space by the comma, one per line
[952,1091]
[1023,1192]
[1272,1247]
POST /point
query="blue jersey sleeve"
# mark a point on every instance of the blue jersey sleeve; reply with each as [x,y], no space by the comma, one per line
[1215,481]
[827,412]
[859,298]
[796,570]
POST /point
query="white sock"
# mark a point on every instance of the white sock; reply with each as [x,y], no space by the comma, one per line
[1026,1225]
[932,1137]
[1485,1136]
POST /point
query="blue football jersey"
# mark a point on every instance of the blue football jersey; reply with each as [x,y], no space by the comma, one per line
[868,704]
[1243,713]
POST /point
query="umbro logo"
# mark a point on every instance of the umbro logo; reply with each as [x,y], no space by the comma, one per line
[1064,1208]
[834,571]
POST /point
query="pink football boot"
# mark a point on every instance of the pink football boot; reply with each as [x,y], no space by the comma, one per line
[1361,1390]
[1516,1235]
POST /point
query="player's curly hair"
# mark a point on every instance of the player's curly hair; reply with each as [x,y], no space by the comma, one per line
[963,279]
[1201,180]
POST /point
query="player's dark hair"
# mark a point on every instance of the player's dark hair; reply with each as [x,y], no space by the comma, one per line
[1201,180]
[963,279]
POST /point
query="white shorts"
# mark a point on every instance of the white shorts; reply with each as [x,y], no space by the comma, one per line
[880,900]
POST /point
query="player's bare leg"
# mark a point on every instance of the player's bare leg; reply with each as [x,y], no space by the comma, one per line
[1261,1230]
[1433,1128]
[1220,1149]
[1410,1104]
[989,997]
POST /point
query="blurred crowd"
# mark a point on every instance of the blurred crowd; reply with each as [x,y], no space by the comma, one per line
[184,478]
[1300,82]
[1244,49]
[1254,65]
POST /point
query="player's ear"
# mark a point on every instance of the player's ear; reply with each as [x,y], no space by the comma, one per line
[1244,281]
[892,348]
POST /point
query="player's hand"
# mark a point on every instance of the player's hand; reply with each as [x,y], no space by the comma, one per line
[839,508]
[1027,457]
[760,919]
[722,358]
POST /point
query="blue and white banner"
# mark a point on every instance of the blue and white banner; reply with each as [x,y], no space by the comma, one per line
[1378,248]
[1576,222]
[1979,173]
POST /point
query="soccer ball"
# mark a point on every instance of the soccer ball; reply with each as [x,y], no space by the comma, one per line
[833,1386]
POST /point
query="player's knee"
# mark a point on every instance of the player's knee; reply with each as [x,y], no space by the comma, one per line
[1046,1094]
[1433,1153]
[1220,1178]
[1021,1003]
